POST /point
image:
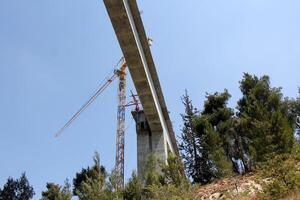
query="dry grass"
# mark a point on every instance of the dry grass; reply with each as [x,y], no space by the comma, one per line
[233,188]
[294,196]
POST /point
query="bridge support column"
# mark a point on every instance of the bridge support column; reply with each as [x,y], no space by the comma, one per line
[148,142]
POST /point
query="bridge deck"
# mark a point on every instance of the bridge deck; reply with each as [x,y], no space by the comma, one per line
[128,26]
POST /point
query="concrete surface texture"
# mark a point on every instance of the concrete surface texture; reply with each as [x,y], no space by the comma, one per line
[130,32]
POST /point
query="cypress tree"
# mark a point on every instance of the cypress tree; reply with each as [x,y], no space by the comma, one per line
[190,144]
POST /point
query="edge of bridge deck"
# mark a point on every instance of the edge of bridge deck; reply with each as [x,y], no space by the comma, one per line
[120,20]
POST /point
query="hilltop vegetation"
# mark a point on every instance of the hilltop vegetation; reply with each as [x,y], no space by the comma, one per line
[257,136]
[246,152]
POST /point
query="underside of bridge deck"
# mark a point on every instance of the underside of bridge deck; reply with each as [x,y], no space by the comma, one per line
[130,32]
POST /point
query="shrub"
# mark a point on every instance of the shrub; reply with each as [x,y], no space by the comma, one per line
[133,189]
[169,192]
[285,178]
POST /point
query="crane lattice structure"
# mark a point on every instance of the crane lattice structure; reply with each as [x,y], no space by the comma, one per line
[120,143]
[120,136]
[157,137]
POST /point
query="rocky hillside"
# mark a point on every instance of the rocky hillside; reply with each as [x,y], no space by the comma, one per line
[247,187]
[232,188]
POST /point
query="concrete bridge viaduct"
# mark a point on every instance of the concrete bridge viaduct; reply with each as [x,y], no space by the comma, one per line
[154,128]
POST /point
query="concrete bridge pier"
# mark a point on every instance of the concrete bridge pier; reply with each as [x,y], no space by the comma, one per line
[148,142]
[154,127]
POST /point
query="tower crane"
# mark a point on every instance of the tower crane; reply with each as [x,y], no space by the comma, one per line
[120,136]
[119,168]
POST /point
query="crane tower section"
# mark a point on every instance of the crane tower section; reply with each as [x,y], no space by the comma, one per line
[120,139]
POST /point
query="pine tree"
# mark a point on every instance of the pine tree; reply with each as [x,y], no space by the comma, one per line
[221,118]
[56,192]
[134,188]
[265,126]
[173,172]
[150,175]
[293,107]
[211,127]
[202,146]
[19,189]
[90,184]
[89,173]
[214,163]
[93,189]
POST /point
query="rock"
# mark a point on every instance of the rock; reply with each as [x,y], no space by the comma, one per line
[216,195]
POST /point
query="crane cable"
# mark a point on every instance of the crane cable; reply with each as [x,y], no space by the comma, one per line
[91,100]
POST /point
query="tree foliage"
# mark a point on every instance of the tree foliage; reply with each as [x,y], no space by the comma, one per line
[150,174]
[265,127]
[134,189]
[170,192]
[57,192]
[167,183]
[202,145]
[284,177]
[173,172]
[19,189]
[90,183]
[217,141]
[193,155]
[213,140]
[96,172]
[92,189]
[292,108]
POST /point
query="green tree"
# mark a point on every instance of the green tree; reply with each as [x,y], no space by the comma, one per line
[215,162]
[134,188]
[90,183]
[217,138]
[235,145]
[212,137]
[19,189]
[173,172]
[220,118]
[284,177]
[93,189]
[204,138]
[157,179]
[150,174]
[92,173]
[215,107]
[264,126]
[190,144]
[292,108]
[111,184]
[56,192]
[111,188]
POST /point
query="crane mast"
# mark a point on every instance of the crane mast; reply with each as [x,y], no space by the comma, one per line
[120,139]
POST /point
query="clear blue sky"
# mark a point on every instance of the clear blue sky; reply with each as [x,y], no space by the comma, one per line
[54,54]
